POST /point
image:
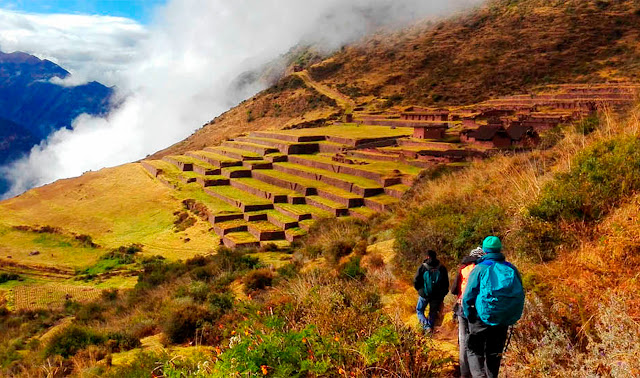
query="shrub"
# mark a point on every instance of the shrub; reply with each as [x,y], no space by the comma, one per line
[198,291]
[109,295]
[258,280]
[90,311]
[352,269]
[375,261]
[182,322]
[5,277]
[451,229]
[230,260]
[338,249]
[71,340]
[220,301]
[600,177]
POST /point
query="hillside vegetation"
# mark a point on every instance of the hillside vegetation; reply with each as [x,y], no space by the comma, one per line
[130,281]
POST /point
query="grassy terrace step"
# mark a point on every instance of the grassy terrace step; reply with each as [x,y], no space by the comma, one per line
[276,158]
[283,146]
[240,199]
[261,189]
[381,202]
[207,181]
[236,172]
[336,209]
[294,234]
[396,191]
[257,164]
[374,155]
[355,184]
[281,220]
[234,153]
[214,159]
[287,136]
[226,227]
[301,212]
[240,239]
[189,163]
[251,147]
[265,230]
[362,213]
[385,173]
[307,223]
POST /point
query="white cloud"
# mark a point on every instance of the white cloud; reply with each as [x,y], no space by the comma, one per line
[91,47]
[177,72]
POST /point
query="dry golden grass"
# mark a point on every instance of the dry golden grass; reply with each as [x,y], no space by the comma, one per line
[115,206]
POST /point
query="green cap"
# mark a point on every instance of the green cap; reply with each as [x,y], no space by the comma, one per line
[492,244]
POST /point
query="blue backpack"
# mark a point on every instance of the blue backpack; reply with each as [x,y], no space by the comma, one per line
[501,297]
[431,278]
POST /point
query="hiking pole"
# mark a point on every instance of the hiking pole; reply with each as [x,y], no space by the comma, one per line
[506,345]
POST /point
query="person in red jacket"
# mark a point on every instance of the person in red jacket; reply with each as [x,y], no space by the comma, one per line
[457,288]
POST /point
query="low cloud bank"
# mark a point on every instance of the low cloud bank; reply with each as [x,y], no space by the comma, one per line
[174,74]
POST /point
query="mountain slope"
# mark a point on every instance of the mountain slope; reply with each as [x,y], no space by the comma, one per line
[504,47]
[28,98]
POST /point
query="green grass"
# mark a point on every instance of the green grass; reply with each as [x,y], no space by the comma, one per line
[254,183]
[382,167]
[365,211]
[54,249]
[235,169]
[399,187]
[297,231]
[236,151]
[264,226]
[279,216]
[383,199]
[231,224]
[360,181]
[307,223]
[327,202]
[214,156]
[192,160]
[304,209]
[239,195]
[309,183]
[242,237]
[352,130]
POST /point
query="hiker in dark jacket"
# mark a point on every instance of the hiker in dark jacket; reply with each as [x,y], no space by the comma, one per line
[486,342]
[457,288]
[439,285]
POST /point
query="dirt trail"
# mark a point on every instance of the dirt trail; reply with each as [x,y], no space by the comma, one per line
[343,101]
[401,303]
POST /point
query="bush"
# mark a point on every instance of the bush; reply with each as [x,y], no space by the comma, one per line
[352,269]
[5,277]
[90,311]
[109,295]
[600,177]
[258,280]
[182,322]
[71,340]
[338,249]
[231,260]
[452,229]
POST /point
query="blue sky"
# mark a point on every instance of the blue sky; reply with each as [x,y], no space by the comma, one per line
[139,10]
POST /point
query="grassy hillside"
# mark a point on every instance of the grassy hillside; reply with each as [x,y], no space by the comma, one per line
[502,48]
[96,300]
[115,207]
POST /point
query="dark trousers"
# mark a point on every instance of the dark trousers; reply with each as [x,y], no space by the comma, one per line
[463,336]
[485,351]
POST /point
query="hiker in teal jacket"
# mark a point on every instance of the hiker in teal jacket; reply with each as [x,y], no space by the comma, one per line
[486,341]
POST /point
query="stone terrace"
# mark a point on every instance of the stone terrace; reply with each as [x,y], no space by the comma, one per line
[269,187]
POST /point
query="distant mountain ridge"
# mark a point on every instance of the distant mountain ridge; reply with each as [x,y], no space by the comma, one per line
[30,99]
[32,107]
